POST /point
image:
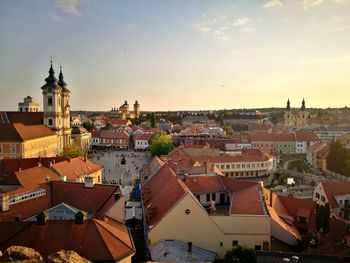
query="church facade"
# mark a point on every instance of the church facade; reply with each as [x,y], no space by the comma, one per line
[56,109]
[296,117]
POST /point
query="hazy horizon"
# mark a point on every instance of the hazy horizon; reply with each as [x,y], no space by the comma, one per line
[184,54]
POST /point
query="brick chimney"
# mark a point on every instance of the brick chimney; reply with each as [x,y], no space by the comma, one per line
[212,208]
[89,182]
[63,178]
[41,219]
[4,202]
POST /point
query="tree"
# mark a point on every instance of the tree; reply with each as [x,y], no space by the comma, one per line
[322,217]
[73,151]
[338,158]
[88,125]
[242,254]
[160,144]
[228,129]
[153,120]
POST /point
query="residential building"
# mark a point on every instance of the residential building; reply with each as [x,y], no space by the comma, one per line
[244,117]
[82,138]
[316,156]
[116,139]
[330,133]
[141,141]
[116,123]
[27,141]
[236,213]
[28,105]
[192,119]
[165,125]
[337,195]
[296,118]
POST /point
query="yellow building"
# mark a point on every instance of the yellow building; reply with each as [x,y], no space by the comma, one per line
[296,118]
[28,105]
[123,112]
[27,141]
[236,214]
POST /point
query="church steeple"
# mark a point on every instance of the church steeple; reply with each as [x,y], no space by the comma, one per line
[51,80]
[288,105]
[303,104]
[61,81]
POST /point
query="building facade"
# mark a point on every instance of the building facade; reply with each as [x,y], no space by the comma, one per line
[28,105]
[296,118]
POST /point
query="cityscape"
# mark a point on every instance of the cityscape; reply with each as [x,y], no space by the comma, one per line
[175,131]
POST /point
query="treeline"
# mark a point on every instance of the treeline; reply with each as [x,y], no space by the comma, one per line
[338,159]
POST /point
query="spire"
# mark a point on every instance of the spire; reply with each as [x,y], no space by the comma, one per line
[61,82]
[303,104]
[288,105]
[51,80]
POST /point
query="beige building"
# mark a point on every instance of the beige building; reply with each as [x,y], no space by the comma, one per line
[28,105]
[296,118]
[27,141]
[236,214]
[82,138]
[123,112]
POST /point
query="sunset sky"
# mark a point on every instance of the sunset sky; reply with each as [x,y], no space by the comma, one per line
[180,54]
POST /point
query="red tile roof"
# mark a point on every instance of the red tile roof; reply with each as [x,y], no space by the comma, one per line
[94,240]
[204,184]
[93,200]
[114,135]
[143,137]
[335,188]
[160,193]
[18,132]
[120,122]
[247,201]
[26,118]
[75,167]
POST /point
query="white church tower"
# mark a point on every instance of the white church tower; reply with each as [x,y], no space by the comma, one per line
[56,107]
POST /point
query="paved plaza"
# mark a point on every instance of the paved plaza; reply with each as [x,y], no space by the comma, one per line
[114,171]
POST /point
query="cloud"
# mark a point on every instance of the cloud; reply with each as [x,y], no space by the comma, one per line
[241,21]
[56,18]
[272,3]
[25,39]
[69,6]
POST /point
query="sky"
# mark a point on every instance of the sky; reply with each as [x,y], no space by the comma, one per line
[179,54]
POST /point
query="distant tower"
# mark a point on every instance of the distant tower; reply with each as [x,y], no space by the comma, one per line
[303,105]
[56,112]
[137,109]
[288,105]
[28,105]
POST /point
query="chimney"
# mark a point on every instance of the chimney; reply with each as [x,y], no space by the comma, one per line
[63,178]
[295,259]
[20,169]
[89,182]
[41,219]
[4,202]
[212,208]
[85,157]
[53,161]
[50,164]
[208,166]
[79,218]
[69,159]
[189,247]
[39,163]
[47,178]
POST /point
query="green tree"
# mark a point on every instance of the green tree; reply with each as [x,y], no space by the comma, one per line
[322,217]
[338,158]
[153,120]
[228,129]
[73,151]
[88,125]
[160,144]
[242,254]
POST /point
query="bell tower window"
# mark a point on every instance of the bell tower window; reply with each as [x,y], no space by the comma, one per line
[49,101]
[50,122]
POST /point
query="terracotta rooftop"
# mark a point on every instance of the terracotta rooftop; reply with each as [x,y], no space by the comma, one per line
[335,188]
[26,118]
[247,201]
[114,135]
[17,132]
[75,167]
[204,184]
[143,137]
[94,240]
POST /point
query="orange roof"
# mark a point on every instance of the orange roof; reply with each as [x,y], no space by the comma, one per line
[204,184]
[120,122]
[143,137]
[94,240]
[93,200]
[75,167]
[114,135]
[306,136]
[19,132]
[335,188]
[26,118]
[160,193]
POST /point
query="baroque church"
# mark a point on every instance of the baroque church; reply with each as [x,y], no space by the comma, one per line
[296,117]
[56,109]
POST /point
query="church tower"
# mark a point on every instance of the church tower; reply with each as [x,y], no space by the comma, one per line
[55,100]
[136,109]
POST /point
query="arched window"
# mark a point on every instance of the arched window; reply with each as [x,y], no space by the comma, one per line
[50,122]
[49,101]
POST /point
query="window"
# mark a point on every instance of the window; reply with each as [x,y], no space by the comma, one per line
[0,148]
[12,148]
[227,166]
[317,195]
[257,247]
[50,122]
[213,196]
[323,199]
[222,166]
[340,202]
[221,244]
[302,220]
[208,198]
[49,101]
[235,243]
